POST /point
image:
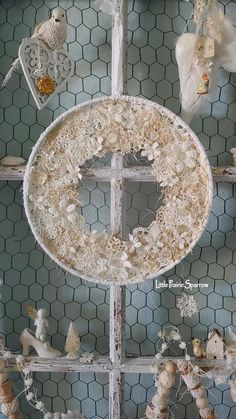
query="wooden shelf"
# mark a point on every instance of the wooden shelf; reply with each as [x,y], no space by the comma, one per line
[12,172]
[132,365]
[220,174]
[224,174]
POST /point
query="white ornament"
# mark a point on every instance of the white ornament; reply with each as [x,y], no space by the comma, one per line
[38,60]
[215,347]
[52,32]
[187,305]
[41,324]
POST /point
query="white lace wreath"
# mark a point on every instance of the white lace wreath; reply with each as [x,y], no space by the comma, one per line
[126,125]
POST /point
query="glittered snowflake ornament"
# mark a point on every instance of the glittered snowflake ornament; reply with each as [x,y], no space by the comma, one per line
[187,305]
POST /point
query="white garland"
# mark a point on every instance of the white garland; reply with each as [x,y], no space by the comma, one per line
[30,392]
[125,125]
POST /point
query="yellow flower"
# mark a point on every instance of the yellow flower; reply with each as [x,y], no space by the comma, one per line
[46,85]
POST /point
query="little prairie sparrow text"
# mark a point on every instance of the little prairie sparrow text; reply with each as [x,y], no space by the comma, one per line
[188,285]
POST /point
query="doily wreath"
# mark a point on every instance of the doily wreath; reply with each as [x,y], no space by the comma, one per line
[125,125]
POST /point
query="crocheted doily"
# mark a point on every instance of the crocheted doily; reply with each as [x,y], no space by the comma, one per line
[125,125]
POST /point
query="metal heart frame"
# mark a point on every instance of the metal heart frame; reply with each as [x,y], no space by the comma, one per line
[37,59]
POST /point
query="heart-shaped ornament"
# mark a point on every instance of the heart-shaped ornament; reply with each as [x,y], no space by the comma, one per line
[46,71]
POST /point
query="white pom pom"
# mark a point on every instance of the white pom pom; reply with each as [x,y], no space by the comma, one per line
[29,396]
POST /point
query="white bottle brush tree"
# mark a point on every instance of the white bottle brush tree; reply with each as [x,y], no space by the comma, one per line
[72,345]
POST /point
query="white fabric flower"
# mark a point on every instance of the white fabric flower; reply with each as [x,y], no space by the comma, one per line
[29,396]
[39,405]
[86,357]
[7,355]
[135,243]
[150,151]
[64,213]
[19,359]
[125,260]
[164,347]
[182,345]
[28,382]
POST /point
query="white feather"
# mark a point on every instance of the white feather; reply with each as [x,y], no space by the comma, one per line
[190,71]
[15,65]
[226,49]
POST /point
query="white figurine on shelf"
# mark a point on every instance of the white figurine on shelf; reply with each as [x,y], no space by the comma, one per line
[41,324]
[38,341]
[215,346]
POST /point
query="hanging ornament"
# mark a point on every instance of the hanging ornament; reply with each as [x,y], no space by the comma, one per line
[47,66]
[187,305]
[195,55]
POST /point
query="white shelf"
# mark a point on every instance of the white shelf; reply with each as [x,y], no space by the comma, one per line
[133,365]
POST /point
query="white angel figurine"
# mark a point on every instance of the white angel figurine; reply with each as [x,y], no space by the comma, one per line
[41,324]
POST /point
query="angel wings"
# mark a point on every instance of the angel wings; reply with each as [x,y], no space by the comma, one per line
[200,56]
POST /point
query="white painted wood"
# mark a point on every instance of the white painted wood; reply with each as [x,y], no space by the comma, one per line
[117,195]
[224,174]
[117,350]
[119,48]
[117,293]
[133,365]
[134,174]
[12,172]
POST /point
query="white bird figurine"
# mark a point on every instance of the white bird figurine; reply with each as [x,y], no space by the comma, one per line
[52,32]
